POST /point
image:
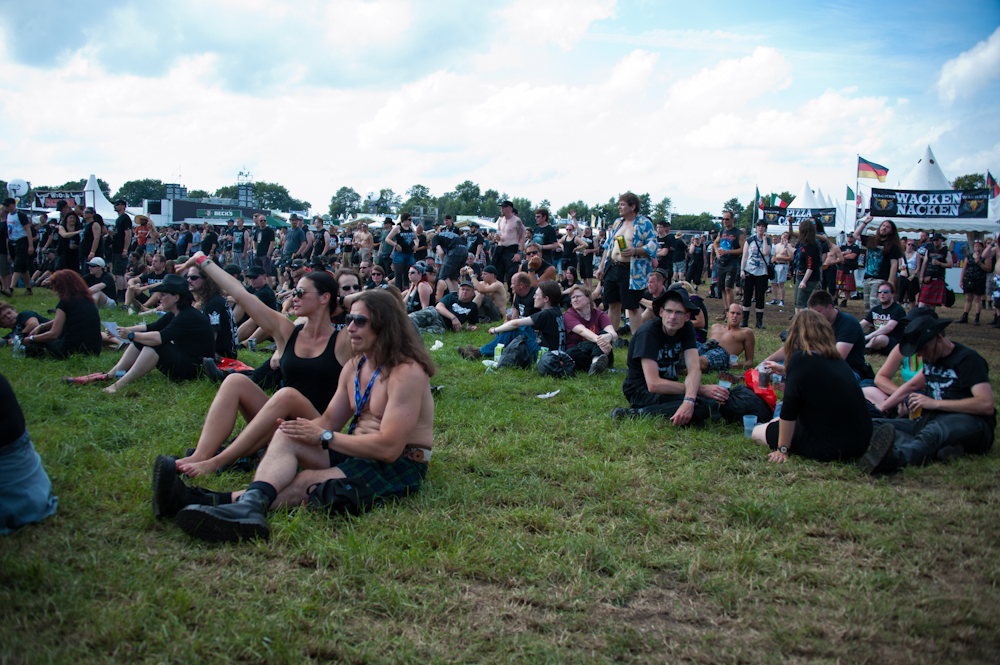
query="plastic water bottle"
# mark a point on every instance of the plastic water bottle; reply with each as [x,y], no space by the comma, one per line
[542,350]
[18,351]
[497,352]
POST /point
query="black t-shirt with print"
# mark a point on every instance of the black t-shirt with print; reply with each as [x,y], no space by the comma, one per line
[853,248]
[953,376]
[667,242]
[729,239]
[263,237]
[545,236]
[189,331]
[220,317]
[931,270]
[465,312]
[878,260]
[525,306]
[152,277]
[550,328]
[847,329]
[879,316]
[807,256]
[651,341]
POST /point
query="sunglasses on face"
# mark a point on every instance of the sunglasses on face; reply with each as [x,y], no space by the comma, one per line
[193,278]
[350,287]
[299,292]
[358,320]
[530,253]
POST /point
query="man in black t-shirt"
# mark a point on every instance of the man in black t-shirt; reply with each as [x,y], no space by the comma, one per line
[882,256]
[263,245]
[850,336]
[846,284]
[120,244]
[955,411]
[209,240]
[545,235]
[664,248]
[138,287]
[450,313]
[101,284]
[658,354]
[886,321]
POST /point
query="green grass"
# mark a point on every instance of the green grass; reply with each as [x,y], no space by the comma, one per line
[545,533]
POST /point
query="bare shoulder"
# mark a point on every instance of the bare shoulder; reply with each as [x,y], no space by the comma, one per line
[409,375]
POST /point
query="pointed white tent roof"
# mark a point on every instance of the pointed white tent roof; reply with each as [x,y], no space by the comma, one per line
[95,197]
[806,199]
[822,198]
[927,174]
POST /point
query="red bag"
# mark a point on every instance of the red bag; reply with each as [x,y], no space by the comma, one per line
[228,364]
[753,382]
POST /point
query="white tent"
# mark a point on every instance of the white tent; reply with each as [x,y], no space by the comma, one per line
[95,198]
[806,199]
[927,174]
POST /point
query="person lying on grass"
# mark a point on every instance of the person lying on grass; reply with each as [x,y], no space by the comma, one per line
[311,358]
[452,312]
[810,425]
[384,391]
[730,340]
[175,344]
[659,352]
[19,323]
[548,322]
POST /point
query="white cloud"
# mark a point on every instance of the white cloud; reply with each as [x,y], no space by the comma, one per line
[965,75]
[562,22]
[351,24]
[715,40]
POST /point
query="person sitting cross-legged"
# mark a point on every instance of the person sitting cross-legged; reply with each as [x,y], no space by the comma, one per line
[384,391]
[547,320]
[955,417]
[808,426]
[659,352]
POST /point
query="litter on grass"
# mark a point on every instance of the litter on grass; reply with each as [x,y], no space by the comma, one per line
[548,395]
[437,345]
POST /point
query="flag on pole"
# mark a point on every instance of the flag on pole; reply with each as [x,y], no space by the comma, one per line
[868,169]
[777,201]
[756,204]
[850,193]
[991,184]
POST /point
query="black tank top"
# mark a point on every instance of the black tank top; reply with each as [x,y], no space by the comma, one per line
[316,378]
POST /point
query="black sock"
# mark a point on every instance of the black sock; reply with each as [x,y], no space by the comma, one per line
[266,488]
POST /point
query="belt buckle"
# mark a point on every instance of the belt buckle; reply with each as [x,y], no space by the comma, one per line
[419,455]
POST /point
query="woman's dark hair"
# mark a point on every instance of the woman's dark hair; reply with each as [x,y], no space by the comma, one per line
[74,216]
[405,216]
[396,339]
[324,283]
[572,271]
[68,285]
[807,232]
[170,267]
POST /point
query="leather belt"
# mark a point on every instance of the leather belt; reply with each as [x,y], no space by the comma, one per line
[620,264]
[415,454]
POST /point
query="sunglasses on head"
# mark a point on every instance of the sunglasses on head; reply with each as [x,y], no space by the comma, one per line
[358,320]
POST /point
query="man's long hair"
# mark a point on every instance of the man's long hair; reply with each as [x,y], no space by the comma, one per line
[876,239]
[207,288]
[396,338]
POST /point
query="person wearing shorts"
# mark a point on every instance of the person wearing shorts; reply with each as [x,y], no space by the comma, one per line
[625,272]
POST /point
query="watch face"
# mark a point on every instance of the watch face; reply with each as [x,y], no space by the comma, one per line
[327,435]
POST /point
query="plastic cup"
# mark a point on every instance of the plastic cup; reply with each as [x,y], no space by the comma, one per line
[765,379]
[734,361]
[749,422]
[725,384]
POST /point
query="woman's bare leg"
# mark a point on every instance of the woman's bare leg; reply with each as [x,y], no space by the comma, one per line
[238,394]
[144,363]
[286,404]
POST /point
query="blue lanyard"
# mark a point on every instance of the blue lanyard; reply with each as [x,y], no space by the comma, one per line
[361,401]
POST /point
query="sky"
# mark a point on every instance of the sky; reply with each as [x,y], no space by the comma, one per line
[545,99]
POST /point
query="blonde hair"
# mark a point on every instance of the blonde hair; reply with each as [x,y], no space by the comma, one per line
[687,287]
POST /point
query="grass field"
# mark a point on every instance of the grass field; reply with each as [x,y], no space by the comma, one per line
[545,533]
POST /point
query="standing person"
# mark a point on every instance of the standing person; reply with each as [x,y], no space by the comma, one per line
[5,261]
[402,240]
[209,240]
[585,251]
[627,262]
[696,264]
[420,244]
[664,248]
[93,236]
[545,236]
[679,258]
[76,327]
[754,272]
[729,252]
[241,245]
[120,242]
[385,249]
[569,255]
[808,427]
[21,241]
[296,245]
[510,246]
[808,264]
[975,272]
[364,242]
[321,239]
[385,453]
[882,254]
[146,234]
[846,286]
[909,274]
[783,254]
[452,253]
[263,245]
[936,260]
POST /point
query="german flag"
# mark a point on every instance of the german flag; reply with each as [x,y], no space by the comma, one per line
[868,169]
[991,184]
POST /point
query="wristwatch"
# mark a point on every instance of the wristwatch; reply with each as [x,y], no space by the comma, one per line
[783,450]
[131,337]
[325,438]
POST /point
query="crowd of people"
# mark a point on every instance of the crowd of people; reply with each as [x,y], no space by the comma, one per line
[343,315]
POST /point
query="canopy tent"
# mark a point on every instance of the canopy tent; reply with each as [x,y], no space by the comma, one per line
[806,199]
[927,175]
[96,199]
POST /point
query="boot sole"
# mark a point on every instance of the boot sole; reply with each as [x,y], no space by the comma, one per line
[882,439]
[198,522]
[164,474]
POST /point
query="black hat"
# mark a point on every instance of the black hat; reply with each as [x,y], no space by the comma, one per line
[505,204]
[294,216]
[120,202]
[255,271]
[466,282]
[233,270]
[675,292]
[761,222]
[297,264]
[917,312]
[421,267]
[938,236]
[920,331]
[174,284]
[491,270]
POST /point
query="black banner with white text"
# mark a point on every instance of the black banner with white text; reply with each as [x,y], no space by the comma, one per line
[971,203]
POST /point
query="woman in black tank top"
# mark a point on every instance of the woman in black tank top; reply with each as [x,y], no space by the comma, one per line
[312,353]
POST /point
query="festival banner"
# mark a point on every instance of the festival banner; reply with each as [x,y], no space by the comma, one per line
[220,214]
[774,215]
[971,203]
[51,199]
[825,216]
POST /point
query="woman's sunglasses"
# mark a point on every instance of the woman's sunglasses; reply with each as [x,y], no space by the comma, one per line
[299,292]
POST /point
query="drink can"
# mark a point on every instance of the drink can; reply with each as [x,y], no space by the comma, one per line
[497,352]
[916,413]
[621,243]
[252,343]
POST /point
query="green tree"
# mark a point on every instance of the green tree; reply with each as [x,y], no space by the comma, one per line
[546,204]
[661,210]
[606,213]
[969,181]
[734,206]
[525,211]
[227,192]
[387,200]
[488,204]
[202,194]
[467,191]
[272,196]
[702,222]
[134,191]
[645,205]
[345,202]
[581,209]
[418,195]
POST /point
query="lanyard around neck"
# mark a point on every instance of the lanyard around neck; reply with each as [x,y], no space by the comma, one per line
[360,401]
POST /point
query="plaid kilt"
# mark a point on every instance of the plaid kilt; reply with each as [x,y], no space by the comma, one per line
[398,478]
[718,357]
[932,293]
[845,280]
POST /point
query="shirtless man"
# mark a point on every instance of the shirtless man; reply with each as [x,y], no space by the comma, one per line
[658,279]
[627,262]
[492,287]
[364,242]
[385,453]
[512,236]
[732,341]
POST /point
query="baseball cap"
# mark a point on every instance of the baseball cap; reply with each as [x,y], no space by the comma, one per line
[97,261]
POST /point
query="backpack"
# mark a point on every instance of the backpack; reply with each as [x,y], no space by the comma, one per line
[555,363]
[743,401]
[516,354]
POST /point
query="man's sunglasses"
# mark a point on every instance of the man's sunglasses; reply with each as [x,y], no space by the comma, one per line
[358,320]
[194,278]
[350,287]
[531,253]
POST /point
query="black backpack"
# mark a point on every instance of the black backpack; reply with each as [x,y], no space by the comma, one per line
[743,401]
[516,354]
[556,363]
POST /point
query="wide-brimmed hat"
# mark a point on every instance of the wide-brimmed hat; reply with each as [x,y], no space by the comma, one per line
[675,292]
[919,332]
[174,284]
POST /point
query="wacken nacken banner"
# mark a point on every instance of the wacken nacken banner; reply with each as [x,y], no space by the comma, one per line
[825,216]
[929,203]
[773,215]
[51,199]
